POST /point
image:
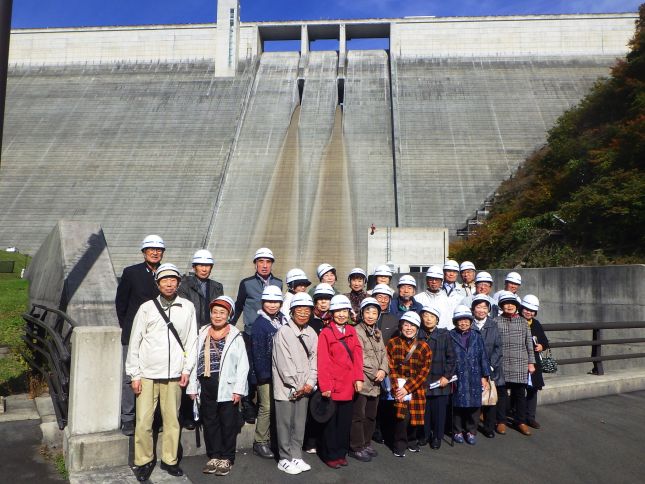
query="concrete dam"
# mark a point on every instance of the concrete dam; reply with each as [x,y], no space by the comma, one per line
[142,130]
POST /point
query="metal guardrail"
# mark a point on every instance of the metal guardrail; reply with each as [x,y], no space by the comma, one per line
[596,342]
[47,334]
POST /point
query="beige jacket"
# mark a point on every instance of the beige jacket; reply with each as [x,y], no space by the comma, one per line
[292,368]
[374,359]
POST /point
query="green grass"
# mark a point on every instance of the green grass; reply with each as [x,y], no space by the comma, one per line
[14,299]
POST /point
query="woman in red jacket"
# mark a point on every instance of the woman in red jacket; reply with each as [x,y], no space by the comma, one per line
[340,375]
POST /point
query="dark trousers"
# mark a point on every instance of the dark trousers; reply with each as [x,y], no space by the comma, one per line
[517,400]
[220,421]
[335,437]
[186,408]
[363,421]
[435,418]
[313,432]
[531,403]
[466,419]
[490,417]
[404,434]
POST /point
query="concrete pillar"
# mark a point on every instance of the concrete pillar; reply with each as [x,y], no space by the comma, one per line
[227,38]
[304,41]
[342,50]
[92,438]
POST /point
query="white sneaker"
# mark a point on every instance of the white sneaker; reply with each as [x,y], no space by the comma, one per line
[288,466]
[301,464]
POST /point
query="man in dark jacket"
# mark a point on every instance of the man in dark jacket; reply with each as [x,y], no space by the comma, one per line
[137,286]
[200,290]
[405,301]
[249,302]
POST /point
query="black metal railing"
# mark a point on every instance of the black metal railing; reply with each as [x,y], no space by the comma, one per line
[596,342]
[47,335]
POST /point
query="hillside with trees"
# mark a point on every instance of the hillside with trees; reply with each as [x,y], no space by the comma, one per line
[580,200]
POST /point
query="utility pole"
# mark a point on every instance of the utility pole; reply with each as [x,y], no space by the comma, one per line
[6,7]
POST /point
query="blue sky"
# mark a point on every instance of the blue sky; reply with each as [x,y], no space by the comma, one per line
[75,13]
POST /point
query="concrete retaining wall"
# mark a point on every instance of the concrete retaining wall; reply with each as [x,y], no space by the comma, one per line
[585,294]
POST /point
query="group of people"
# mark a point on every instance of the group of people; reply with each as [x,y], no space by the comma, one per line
[320,372]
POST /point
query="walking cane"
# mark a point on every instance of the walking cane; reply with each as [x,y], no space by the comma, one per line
[452,417]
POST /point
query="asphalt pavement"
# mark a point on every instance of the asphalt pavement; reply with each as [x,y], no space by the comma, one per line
[597,440]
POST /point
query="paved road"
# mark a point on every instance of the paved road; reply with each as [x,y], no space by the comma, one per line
[585,441]
[20,459]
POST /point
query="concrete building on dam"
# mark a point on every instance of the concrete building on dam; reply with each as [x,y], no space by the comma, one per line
[201,134]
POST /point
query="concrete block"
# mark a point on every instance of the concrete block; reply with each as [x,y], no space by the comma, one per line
[52,435]
[95,386]
[3,405]
[564,389]
[19,407]
[94,451]
[45,406]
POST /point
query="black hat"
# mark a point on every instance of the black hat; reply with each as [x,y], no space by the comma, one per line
[321,408]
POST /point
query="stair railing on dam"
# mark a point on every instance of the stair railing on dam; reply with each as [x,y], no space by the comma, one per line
[596,342]
[47,334]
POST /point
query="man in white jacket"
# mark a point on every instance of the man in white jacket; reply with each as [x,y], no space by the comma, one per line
[161,355]
[435,297]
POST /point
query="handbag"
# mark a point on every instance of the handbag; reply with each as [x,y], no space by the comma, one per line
[549,365]
[489,397]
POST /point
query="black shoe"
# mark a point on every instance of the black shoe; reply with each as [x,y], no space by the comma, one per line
[173,470]
[422,441]
[189,424]
[414,448]
[435,444]
[488,433]
[263,450]
[127,428]
[377,437]
[360,455]
[142,473]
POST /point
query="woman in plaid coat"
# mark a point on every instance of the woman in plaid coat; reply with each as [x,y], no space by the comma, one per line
[409,360]
[519,361]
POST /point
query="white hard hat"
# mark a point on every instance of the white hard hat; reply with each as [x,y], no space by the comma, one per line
[263,253]
[340,301]
[407,279]
[451,265]
[370,301]
[383,270]
[435,272]
[272,293]
[324,291]
[382,289]
[357,271]
[484,276]
[514,277]
[226,302]
[467,265]
[506,297]
[301,299]
[432,310]
[324,269]
[153,242]
[479,298]
[531,302]
[462,312]
[204,257]
[411,317]
[297,275]
[167,270]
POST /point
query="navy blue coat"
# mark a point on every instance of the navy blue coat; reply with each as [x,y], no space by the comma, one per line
[262,347]
[493,346]
[443,359]
[249,296]
[472,366]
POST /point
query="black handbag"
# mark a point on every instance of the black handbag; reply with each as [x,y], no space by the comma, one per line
[549,365]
